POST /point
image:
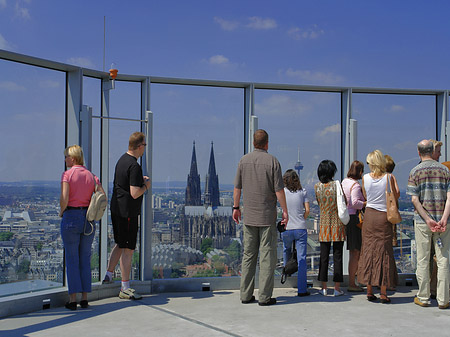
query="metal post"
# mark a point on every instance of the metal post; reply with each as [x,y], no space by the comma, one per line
[104,173]
[441,122]
[346,114]
[253,128]
[74,91]
[249,100]
[147,214]
[353,137]
[446,150]
[86,135]
[347,151]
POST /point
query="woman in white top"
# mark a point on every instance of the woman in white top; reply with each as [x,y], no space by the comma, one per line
[298,210]
[376,264]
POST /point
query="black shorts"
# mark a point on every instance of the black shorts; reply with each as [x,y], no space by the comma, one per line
[125,231]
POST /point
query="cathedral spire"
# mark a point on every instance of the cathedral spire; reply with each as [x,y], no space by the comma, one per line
[193,189]
[212,196]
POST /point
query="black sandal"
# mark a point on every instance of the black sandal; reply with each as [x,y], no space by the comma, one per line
[371,297]
[386,300]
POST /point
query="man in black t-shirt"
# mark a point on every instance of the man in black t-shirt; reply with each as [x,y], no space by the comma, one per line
[129,186]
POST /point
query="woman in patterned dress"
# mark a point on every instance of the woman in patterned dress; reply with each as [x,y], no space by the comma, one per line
[332,230]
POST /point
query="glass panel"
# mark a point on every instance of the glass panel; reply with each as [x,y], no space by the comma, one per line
[395,124]
[305,127]
[32,132]
[193,232]
[125,102]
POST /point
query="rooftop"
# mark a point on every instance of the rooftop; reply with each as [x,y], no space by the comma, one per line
[220,313]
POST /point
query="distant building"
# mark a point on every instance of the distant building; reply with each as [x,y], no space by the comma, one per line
[209,220]
[212,195]
[193,189]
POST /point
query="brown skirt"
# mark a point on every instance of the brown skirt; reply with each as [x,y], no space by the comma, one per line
[376,263]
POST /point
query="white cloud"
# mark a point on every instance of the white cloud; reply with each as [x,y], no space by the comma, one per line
[336,128]
[2,4]
[49,84]
[226,25]
[281,105]
[413,160]
[315,77]
[11,86]
[218,59]
[5,44]
[407,145]
[22,12]
[396,108]
[257,22]
[305,34]
[81,62]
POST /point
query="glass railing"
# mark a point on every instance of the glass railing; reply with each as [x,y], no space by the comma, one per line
[32,134]
[193,234]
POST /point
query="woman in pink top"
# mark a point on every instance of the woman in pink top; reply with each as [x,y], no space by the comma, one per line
[77,186]
[355,203]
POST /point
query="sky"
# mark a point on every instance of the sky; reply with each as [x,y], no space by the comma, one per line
[386,44]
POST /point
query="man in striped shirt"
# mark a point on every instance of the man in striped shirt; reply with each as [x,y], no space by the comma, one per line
[429,187]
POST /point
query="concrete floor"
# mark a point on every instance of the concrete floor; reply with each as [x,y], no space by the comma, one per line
[220,313]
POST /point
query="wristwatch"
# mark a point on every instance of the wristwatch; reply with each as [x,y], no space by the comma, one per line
[235,207]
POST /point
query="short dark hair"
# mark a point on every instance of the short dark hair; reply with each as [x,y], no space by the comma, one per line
[260,139]
[326,171]
[292,180]
[356,170]
[136,139]
[390,164]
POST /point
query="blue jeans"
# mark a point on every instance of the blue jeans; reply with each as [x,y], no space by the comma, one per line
[77,247]
[300,236]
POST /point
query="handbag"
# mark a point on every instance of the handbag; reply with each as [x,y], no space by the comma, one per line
[281,228]
[291,266]
[393,215]
[360,218]
[97,205]
[341,204]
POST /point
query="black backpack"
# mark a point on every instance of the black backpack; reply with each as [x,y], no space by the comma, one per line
[291,266]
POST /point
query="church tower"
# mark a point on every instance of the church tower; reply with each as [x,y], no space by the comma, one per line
[193,190]
[212,197]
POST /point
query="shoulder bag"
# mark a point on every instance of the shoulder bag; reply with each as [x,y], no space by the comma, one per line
[393,214]
[341,204]
[98,204]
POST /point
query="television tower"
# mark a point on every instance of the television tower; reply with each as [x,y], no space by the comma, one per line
[298,165]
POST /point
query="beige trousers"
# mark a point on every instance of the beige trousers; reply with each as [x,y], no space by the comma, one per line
[424,239]
[264,241]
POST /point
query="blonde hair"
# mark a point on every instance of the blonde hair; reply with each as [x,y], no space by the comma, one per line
[76,153]
[435,143]
[376,162]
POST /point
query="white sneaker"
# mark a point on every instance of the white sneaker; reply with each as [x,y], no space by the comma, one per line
[338,293]
[129,294]
[323,292]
